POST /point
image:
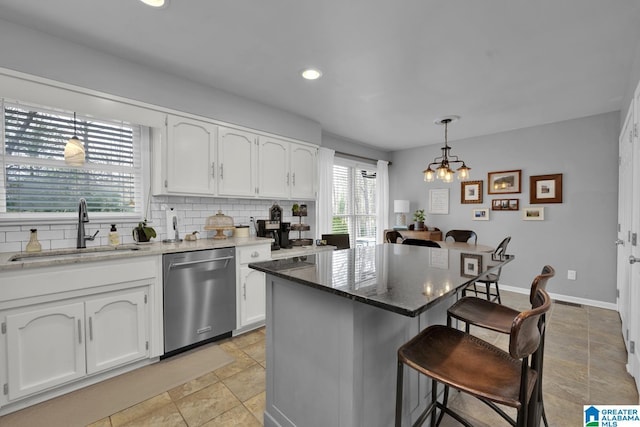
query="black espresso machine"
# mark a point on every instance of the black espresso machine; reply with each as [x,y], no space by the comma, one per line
[275,228]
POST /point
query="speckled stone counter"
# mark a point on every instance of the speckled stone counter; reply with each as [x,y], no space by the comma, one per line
[400,278]
[99,253]
[334,323]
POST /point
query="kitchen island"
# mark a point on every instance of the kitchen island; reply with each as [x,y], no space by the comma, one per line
[336,319]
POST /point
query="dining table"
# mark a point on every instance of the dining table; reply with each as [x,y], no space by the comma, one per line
[334,322]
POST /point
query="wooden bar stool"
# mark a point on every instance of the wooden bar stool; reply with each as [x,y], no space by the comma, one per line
[471,365]
[496,317]
[490,279]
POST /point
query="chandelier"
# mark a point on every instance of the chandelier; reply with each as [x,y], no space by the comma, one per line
[443,163]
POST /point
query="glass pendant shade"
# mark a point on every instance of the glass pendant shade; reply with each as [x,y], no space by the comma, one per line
[74,154]
[428,175]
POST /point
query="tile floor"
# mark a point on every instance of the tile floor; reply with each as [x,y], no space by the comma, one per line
[584,364]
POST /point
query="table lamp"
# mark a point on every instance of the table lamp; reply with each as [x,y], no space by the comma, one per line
[401,207]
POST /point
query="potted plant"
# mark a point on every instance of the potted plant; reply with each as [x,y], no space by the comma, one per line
[418,217]
[142,233]
[295,209]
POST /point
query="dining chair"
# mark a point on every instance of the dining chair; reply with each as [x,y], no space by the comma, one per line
[467,363]
[491,278]
[462,235]
[499,318]
[421,242]
[392,236]
[339,240]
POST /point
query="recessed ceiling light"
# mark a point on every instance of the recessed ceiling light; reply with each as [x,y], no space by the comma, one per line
[155,3]
[311,74]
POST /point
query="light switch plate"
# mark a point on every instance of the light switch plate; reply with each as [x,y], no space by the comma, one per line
[571,275]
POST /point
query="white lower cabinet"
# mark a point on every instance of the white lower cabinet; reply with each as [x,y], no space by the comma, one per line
[251,285]
[52,344]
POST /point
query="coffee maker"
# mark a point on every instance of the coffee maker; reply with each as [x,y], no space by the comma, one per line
[285,228]
[270,228]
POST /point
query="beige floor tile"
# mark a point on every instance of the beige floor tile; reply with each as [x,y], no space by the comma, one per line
[241,362]
[248,338]
[256,350]
[256,406]
[247,383]
[166,416]
[192,386]
[141,409]
[206,404]
[105,422]
[236,417]
[563,413]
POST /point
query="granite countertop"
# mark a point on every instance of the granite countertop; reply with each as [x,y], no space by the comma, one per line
[400,278]
[101,253]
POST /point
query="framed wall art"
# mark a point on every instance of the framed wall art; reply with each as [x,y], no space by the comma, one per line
[471,192]
[545,188]
[480,214]
[504,182]
[533,214]
[439,201]
[505,204]
[470,265]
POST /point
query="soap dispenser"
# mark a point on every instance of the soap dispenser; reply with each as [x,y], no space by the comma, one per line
[114,236]
[34,245]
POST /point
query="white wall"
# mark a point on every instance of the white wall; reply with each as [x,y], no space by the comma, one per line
[577,234]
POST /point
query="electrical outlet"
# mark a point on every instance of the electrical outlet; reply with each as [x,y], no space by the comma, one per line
[571,275]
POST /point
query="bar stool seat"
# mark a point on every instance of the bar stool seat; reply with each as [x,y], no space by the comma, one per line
[487,372]
[482,313]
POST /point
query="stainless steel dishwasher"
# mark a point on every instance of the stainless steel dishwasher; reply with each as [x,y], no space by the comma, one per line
[199,296]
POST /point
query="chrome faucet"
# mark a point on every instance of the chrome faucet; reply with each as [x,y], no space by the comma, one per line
[83,217]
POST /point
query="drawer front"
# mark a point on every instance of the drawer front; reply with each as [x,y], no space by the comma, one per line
[254,254]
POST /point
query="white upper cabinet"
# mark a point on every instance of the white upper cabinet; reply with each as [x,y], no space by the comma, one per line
[205,159]
[303,171]
[274,176]
[190,160]
[237,154]
[286,170]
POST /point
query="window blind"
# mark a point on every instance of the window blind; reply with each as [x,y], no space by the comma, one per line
[354,203]
[37,179]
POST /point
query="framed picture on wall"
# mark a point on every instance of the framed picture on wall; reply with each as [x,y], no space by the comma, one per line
[480,214]
[505,204]
[533,214]
[545,188]
[471,192]
[504,182]
[470,265]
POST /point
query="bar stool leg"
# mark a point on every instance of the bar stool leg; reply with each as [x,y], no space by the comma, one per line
[399,381]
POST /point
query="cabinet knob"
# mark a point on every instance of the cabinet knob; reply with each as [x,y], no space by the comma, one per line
[633,260]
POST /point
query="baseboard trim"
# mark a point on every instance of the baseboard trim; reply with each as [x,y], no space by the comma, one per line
[567,298]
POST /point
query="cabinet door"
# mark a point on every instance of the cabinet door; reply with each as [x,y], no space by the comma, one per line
[236,162]
[303,171]
[253,297]
[190,156]
[274,177]
[116,329]
[45,348]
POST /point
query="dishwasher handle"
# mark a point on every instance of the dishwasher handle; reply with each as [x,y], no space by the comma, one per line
[201,261]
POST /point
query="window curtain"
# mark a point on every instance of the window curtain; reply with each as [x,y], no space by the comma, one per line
[325,190]
[382,193]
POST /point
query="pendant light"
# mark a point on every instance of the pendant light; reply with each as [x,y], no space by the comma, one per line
[74,154]
[443,163]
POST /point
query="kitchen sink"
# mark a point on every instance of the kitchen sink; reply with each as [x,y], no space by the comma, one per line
[74,253]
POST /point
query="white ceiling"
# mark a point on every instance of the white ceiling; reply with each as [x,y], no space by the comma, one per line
[390,67]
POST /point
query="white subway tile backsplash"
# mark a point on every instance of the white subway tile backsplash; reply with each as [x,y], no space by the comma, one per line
[192,213]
